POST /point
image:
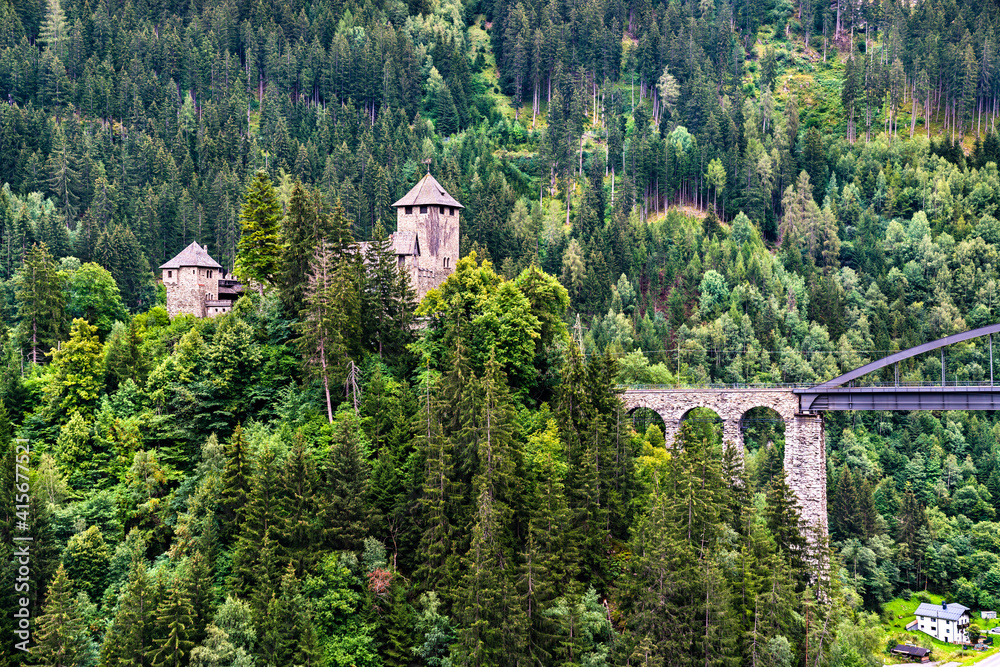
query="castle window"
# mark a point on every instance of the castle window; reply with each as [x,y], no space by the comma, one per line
[442,210]
[409,210]
[209,274]
[451,211]
[423,209]
[170,274]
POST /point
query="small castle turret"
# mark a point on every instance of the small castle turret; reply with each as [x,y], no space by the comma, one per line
[427,234]
[197,285]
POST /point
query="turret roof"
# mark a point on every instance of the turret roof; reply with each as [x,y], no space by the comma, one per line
[428,191]
[193,255]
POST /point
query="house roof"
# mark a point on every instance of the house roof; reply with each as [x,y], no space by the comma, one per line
[193,255]
[405,243]
[427,191]
[949,611]
[916,651]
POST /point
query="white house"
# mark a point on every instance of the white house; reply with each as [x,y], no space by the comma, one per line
[947,622]
[987,614]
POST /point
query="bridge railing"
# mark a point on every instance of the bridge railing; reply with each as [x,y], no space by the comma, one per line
[715,385]
[801,385]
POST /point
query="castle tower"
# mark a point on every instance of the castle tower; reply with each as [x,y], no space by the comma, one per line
[196,284]
[427,234]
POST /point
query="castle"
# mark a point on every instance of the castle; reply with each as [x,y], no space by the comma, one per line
[197,285]
[425,244]
[427,232]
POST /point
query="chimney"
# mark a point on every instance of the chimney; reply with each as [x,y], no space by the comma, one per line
[944,605]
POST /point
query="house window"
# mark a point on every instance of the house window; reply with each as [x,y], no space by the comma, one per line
[423,209]
[409,210]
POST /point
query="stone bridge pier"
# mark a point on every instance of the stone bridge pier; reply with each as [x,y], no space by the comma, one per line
[805,443]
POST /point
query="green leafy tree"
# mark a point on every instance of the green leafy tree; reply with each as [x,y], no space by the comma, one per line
[85,560]
[77,372]
[93,296]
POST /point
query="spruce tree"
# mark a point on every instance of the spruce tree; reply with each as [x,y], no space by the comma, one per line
[843,512]
[235,491]
[40,300]
[63,639]
[259,528]
[301,229]
[346,475]
[300,508]
[258,253]
[174,626]
[287,633]
[329,317]
[784,522]
[387,299]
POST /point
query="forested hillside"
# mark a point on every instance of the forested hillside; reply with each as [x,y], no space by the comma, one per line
[669,192]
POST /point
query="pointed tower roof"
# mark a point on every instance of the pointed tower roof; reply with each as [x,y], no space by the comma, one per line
[193,255]
[427,191]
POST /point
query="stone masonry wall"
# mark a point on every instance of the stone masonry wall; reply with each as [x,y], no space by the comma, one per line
[187,290]
[438,236]
[805,444]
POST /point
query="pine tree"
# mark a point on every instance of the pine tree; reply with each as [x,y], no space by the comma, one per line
[287,633]
[235,485]
[435,451]
[785,524]
[63,639]
[259,527]
[200,591]
[174,625]
[329,318]
[53,32]
[346,477]
[258,253]
[387,299]
[301,229]
[301,508]
[41,304]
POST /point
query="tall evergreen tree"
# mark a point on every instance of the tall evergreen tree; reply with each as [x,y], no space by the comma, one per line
[41,303]
[63,639]
[258,253]
[174,625]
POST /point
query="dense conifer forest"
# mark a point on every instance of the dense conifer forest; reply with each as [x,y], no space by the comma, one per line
[656,192]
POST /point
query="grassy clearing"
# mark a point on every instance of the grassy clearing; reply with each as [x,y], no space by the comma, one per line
[900,612]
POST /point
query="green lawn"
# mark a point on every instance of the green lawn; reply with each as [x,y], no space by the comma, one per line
[901,613]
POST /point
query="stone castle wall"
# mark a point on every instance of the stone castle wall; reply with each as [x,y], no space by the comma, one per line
[188,289]
[438,236]
[805,442]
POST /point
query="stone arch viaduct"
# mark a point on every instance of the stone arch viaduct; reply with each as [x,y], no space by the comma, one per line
[802,409]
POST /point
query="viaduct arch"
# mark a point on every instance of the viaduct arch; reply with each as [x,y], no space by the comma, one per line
[802,409]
